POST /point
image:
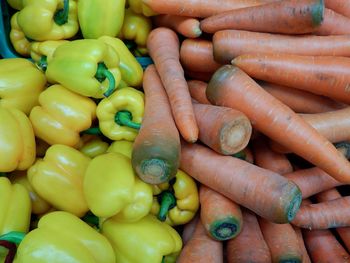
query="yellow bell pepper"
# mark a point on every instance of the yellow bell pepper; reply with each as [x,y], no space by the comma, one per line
[20,84]
[93,146]
[61,238]
[147,240]
[140,8]
[58,178]
[17,142]
[122,146]
[18,40]
[120,115]
[86,66]
[62,115]
[112,190]
[16,4]
[176,202]
[42,20]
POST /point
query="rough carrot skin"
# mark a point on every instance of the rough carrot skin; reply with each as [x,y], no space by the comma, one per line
[305,257]
[156,150]
[189,228]
[231,87]
[287,17]
[249,245]
[197,90]
[266,193]
[333,24]
[339,6]
[221,217]
[186,26]
[163,46]
[228,44]
[282,241]
[197,55]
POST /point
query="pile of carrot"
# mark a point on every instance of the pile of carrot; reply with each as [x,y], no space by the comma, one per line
[247,85]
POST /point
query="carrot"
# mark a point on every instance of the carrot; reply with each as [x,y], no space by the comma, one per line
[333,24]
[156,150]
[189,228]
[201,248]
[163,46]
[197,55]
[186,26]
[225,130]
[233,88]
[221,217]
[266,193]
[328,76]
[305,257]
[282,241]
[249,245]
[228,44]
[339,6]
[344,148]
[246,154]
[202,76]
[197,90]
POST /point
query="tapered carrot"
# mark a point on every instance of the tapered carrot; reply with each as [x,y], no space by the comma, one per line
[189,228]
[186,26]
[328,76]
[197,90]
[333,24]
[305,257]
[339,6]
[197,55]
[249,245]
[156,150]
[201,248]
[288,17]
[233,88]
[266,193]
[202,76]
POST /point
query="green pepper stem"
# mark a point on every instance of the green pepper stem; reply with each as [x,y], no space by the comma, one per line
[13,237]
[167,202]
[163,260]
[92,131]
[91,219]
[42,63]
[101,74]
[61,16]
[124,118]
[12,248]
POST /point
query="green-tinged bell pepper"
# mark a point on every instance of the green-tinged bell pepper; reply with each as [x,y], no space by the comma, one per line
[20,84]
[98,19]
[58,178]
[176,202]
[147,240]
[62,115]
[120,115]
[122,146]
[42,20]
[16,4]
[130,68]
[63,238]
[86,66]
[18,40]
[141,8]
[17,142]
[112,189]
[92,146]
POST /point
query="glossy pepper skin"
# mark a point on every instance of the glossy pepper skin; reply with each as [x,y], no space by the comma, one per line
[176,202]
[120,115]
[147,240]
[18,40]
[140,8]
[112,190]
[21,83]
[92,146]
[96,19]
[42,20]
[17,142]
[63,238]
[58,178]
[124,147]
[62,115]
[88,67]
[16,4]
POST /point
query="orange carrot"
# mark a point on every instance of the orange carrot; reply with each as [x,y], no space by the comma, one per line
[282,241]
[197,90]
[333,24]
[249,245]
[163,46]
[287,17]
[233,88]
[306,258]
[197,55]
[228,44]
[189,228]
[202,76]
[266,193]
[156,150]
[225,130]
[186,26]
[201,248]
[339,6]
[221,217]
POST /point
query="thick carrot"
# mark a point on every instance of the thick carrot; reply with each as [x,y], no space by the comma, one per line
[266,193]
[228,44]
[163,46]
[202,76]
[333,24]
[305,257]
[186,26]
[189,228]
[233,88]
[339,6]
[225,130]
[282,241]
[287,17]
[221,217]
[197,55]
[249,245]
[156,150]
[201,248]
[197,90]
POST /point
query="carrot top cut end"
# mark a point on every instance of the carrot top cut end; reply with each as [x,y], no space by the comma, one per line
[317,13]
[290,259]
[225,229]
[154,171]
[294,205]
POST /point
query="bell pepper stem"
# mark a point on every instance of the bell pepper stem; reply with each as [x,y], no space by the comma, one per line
[61,16]
[92,131]
[101,74]
[124,118]
[12,248]
[91,219]
[13,237]
[42,63]
[163,259]
[167,202]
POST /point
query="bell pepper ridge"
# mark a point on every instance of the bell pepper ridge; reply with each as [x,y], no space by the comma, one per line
[61,16]
[11,250]
[124,118]
[167,201]
[14,237]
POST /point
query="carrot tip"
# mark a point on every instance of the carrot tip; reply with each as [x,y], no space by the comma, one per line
[225,229]
[154,171]
[197,31]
